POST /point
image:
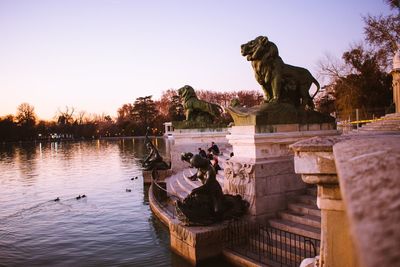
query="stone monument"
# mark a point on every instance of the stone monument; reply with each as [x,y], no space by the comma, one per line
[262,169]
[200,127]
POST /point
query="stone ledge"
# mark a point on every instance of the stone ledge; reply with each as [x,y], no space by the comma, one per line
[318,144]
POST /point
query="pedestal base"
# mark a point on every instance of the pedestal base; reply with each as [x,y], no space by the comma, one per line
[262,169]
[196,244]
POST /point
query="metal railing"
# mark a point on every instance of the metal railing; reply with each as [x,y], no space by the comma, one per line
[161,194]
[269,245]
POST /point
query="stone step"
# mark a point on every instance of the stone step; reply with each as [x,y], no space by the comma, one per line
[386,122]
[304,209]
[306,199]
[284,253]
[289,238]
[296,228]
[179,185]
[277,252]
[174,188]
[186,183]
[381,127]
[310,220]
[189,172]
[392,115]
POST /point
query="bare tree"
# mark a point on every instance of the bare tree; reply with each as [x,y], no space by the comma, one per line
[383,33]
[26,114]
[80,117]
[65,116]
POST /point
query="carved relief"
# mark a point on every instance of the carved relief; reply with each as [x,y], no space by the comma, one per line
[240,180]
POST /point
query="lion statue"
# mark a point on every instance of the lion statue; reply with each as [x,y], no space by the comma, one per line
[280,82]
[197,109]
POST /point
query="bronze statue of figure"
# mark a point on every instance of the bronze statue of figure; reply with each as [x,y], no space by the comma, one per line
[197,109]
[153,161]
[207,204]
[280,82]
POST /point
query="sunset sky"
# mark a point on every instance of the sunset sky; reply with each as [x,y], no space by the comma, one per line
[97,55]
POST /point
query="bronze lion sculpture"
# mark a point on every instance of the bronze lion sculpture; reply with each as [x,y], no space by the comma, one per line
[280,82]
[197,109]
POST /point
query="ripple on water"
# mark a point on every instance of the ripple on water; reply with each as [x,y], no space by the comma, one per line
[110,227]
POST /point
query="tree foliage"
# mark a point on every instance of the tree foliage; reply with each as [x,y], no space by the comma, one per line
[132,118]
[144,111]
[361,80]
[383,33]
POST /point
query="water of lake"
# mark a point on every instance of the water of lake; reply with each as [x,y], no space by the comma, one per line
[109,227]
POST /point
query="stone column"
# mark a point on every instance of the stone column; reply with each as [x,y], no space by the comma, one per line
[315,162]
[262,169]
[396,79]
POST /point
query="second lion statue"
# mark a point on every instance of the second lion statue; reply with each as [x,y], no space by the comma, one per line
[280,82]
[197,109]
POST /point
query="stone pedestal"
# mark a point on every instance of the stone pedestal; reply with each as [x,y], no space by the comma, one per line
[262,169]
[189,140]
[196,244]
[315,162]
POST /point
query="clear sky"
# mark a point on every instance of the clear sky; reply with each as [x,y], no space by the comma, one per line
[96,55]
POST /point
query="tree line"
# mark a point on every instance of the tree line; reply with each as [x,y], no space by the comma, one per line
[132,118]
[359,80]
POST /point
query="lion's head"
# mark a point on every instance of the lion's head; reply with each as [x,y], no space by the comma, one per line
[186,92]
[253,49]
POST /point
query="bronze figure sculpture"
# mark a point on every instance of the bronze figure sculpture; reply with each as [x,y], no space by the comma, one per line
[197,109]
[153,161]
[280,82]
[207,204]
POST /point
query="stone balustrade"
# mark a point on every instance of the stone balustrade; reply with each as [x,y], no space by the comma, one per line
[358,193]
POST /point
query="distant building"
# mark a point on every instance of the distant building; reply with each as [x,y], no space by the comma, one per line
[168,128]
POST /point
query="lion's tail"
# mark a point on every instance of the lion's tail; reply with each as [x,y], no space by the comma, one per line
[220,109]
[314,81]
[217,110]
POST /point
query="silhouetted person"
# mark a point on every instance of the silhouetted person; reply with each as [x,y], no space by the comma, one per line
[214,148]
[202,153]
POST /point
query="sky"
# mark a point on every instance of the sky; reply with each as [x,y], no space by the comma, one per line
[96,55]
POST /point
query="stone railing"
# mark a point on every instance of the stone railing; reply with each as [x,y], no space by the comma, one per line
[358,194]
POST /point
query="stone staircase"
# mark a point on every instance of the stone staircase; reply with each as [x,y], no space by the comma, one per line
[302,216]
[388,123]
[179,185]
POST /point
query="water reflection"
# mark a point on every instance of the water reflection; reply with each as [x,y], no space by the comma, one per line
[109,227]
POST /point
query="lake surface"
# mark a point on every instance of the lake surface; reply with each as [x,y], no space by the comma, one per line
[110,227]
